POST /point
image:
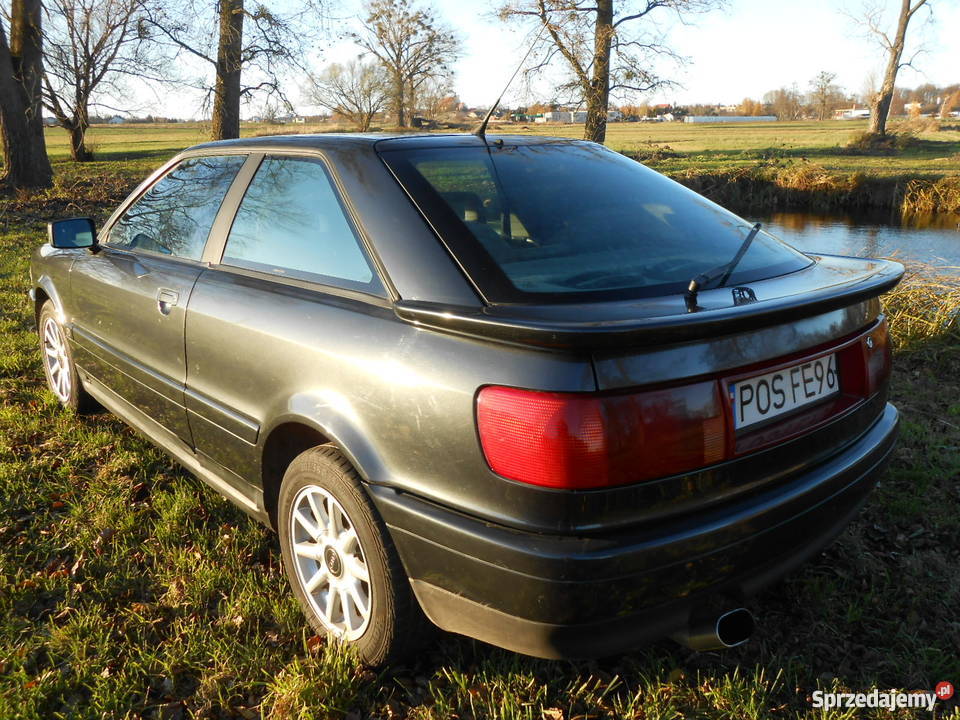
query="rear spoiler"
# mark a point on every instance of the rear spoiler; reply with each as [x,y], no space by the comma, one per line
[585,328]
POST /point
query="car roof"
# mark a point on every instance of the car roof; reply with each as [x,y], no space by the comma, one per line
[392,141]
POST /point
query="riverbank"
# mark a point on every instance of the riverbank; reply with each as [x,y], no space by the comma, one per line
[802,185]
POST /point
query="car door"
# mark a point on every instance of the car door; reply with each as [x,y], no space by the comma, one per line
[293,276]
[130,296]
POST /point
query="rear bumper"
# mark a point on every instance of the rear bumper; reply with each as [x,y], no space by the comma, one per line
[561,596]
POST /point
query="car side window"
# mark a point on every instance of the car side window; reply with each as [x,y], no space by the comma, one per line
[175,215]
[291,223]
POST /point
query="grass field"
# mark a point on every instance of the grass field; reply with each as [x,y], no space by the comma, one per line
[796,165]
[130,590]
[701,147]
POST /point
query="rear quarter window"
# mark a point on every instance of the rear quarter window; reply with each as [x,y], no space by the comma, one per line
[291,224]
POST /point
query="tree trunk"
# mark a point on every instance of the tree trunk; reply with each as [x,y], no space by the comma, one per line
[948,102]
[21,110]
[226,93]
[880,107]
[400,99]
[78,148]
[598,92]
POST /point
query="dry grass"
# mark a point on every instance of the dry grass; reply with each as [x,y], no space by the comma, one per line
[925,196]
[924,308]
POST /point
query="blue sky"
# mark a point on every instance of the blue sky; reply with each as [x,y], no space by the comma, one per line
[743,51]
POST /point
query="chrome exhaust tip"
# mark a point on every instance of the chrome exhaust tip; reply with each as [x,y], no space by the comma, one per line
[717,632]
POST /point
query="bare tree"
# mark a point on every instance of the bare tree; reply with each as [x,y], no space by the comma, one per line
[610,46]
[786,103]
[256,41]
[749,107]
[92,47]
[951,99]
[357,91]
[412,45]
[434,97]
[229,63]
[824,95]
[869,88]
[21,111]
[893,47]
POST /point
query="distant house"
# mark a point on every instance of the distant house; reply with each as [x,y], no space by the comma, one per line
[117,120]
[50,122]
[558,116]
[851,114]
[729,118]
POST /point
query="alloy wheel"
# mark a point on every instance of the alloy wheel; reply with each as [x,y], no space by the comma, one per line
[55,360]
[329,562]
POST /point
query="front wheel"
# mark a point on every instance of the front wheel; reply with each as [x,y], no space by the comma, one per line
[341,563]
[62,377]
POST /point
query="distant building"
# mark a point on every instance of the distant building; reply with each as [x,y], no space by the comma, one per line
[851,114]
[729,118]
[117,120]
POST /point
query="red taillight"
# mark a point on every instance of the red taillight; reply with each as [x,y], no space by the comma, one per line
[578,441]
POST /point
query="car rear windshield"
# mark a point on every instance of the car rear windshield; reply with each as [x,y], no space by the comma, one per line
[562,222]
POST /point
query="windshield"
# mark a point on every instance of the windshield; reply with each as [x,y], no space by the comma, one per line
[571,222]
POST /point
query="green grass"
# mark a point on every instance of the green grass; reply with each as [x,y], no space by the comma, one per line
[798,165]
[128,589]
[706,148]
[710,148]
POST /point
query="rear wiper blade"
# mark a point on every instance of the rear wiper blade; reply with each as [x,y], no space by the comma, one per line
[723,272]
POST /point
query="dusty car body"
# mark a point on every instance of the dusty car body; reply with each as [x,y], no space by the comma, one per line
[525,453]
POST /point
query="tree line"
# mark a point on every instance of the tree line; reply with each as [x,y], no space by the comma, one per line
[66,56]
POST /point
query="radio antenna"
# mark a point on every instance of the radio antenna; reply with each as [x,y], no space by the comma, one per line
[481,130]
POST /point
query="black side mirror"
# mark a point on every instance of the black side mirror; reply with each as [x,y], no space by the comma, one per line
[77,232]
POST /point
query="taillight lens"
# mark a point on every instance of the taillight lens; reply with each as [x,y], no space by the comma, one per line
[579,441]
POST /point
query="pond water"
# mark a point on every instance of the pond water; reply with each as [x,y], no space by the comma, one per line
[931,239]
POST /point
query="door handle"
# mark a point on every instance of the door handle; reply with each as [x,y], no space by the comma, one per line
[166,300]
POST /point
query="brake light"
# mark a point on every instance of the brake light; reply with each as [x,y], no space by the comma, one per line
[578,441]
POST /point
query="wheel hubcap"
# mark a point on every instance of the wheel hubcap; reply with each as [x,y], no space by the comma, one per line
[55,360]
[329,562]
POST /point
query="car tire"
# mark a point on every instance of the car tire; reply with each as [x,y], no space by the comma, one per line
[58,366]
[346,574]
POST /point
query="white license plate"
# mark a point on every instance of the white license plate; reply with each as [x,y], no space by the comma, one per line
[763,397]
